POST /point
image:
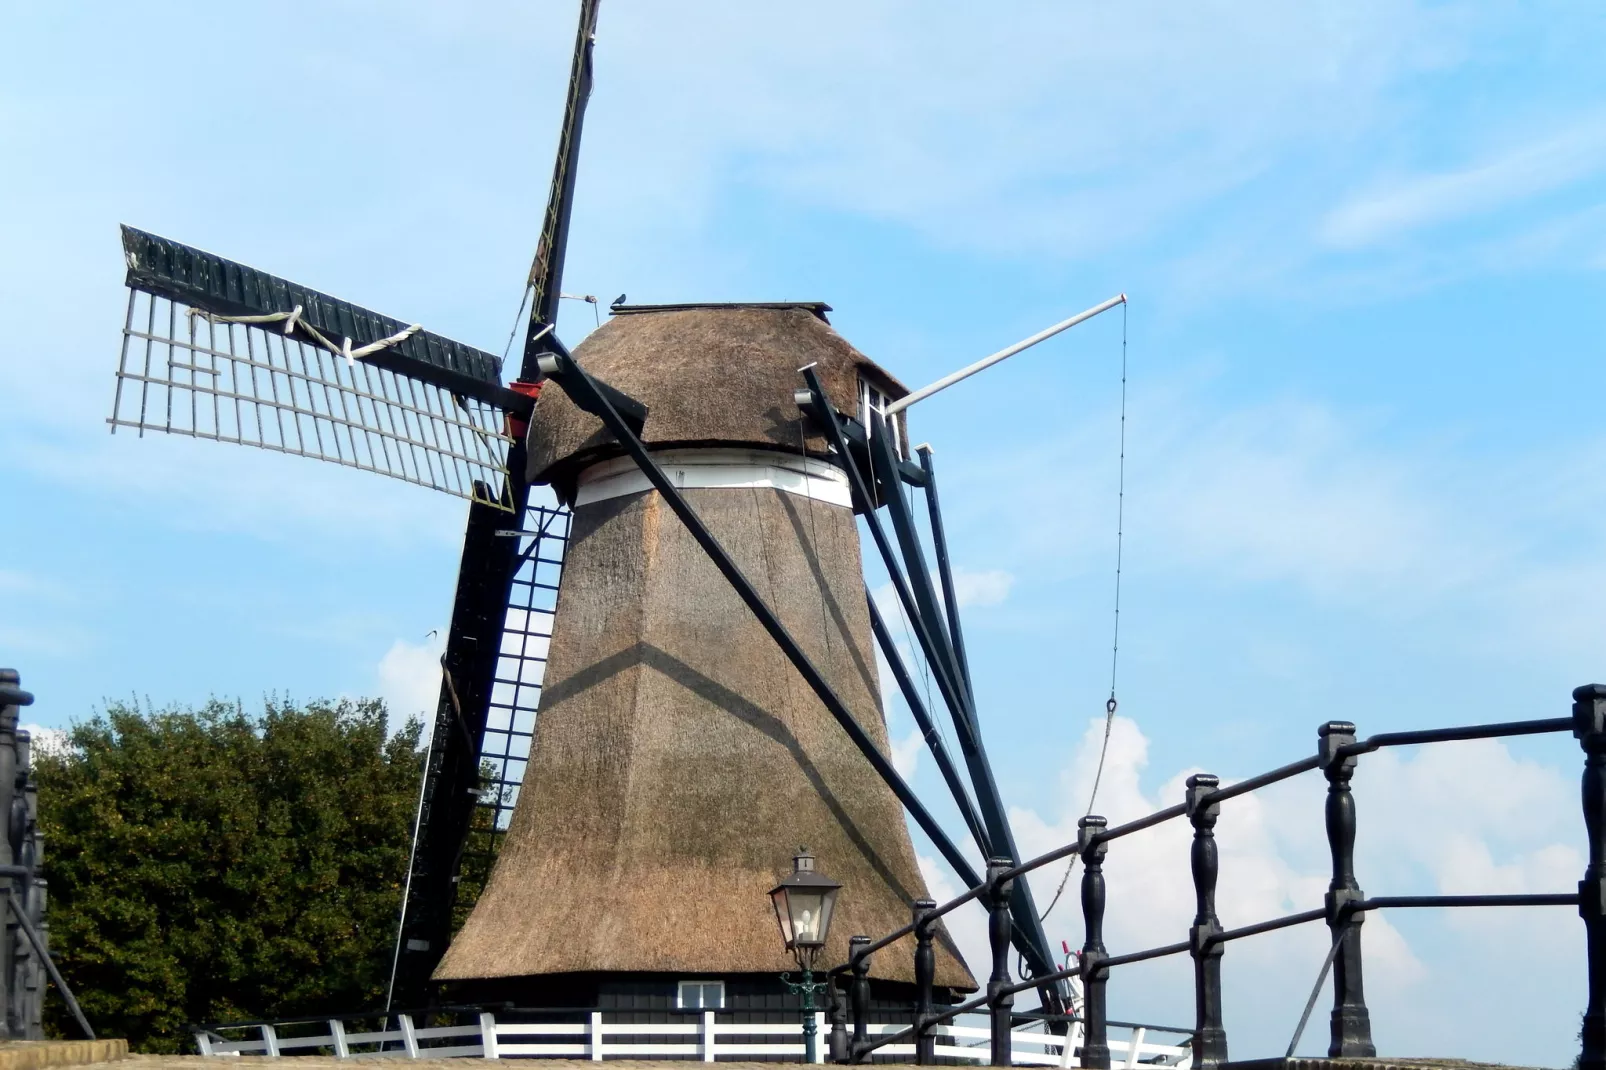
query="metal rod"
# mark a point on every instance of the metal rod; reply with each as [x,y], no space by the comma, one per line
[1029,935]
[1255,783]
[1448,735]
[1273,925]
[906,684]
[1310,1004]
[989,800]
[939,543]
[1003,354]
[1396,902]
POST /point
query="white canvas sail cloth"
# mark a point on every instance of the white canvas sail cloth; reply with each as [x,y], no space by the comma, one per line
[695,469]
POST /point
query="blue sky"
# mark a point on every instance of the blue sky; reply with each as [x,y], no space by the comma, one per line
[1363,243]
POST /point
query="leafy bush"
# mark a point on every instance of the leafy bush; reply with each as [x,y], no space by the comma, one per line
[207,866]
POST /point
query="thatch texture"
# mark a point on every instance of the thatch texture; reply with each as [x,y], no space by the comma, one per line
[679,760]
[707,376]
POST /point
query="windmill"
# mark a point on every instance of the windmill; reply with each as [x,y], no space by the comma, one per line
[645,443]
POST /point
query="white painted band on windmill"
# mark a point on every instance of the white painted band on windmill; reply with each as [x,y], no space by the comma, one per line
[1003,354]
[729,469]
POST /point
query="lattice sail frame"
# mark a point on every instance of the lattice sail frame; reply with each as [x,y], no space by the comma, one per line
[516,691]
[189,367]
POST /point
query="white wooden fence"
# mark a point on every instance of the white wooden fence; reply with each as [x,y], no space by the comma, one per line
[705,1038]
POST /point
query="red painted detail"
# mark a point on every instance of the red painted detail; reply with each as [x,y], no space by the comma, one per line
[517,426]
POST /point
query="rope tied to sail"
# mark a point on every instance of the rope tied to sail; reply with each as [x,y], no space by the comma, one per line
[292,321]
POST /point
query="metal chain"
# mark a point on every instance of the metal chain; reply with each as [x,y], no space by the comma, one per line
[1110,705]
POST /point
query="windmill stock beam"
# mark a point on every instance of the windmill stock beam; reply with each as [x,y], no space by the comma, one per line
[452,773]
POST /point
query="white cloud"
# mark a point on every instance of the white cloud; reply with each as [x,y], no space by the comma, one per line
[410,679]
[988,587]
[1512,175]
[46,740]
[906,753]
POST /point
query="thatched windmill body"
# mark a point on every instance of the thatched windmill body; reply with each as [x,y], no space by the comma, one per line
[711,698]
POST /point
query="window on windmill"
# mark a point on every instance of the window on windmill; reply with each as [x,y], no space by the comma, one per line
[873,399]
[701,996]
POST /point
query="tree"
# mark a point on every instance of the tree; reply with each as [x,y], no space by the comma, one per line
[207,866]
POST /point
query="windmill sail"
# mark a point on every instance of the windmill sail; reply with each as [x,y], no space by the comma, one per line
[217,350]
[484,686]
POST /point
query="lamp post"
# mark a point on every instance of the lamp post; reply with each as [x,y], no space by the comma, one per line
[804,902]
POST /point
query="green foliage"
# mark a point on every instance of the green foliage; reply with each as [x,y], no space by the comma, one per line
[207,866]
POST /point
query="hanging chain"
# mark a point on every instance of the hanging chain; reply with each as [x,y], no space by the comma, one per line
[1110,705]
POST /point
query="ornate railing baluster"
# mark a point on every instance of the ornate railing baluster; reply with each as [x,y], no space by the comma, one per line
[837,1049]
[1210,1037]
[1589,726]
[1000,1003]
[1351,1024]
[1096,1036]
[925,975]
[860,993]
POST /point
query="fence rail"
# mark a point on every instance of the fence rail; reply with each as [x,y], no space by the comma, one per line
[706,1037]
[1086,1040]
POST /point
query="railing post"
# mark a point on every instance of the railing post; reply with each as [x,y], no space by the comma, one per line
[837,1006]
[337,1033]
[1096,1038]
[1351,1024]
[1210,1036]
[409,1036]
[1589,726]
[270,1041]
[860,994]
[12,698]
[925,974]
[1000,1004]
[594,1049]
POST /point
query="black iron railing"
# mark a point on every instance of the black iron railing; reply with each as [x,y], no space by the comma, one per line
[25,960]
[1343,910]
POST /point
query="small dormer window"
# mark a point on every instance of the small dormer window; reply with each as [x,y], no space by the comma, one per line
[700,996]
[873,399]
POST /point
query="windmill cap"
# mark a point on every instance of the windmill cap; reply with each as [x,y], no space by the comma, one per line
[710,376]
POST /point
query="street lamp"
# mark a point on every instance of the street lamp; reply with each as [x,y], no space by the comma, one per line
[804,902]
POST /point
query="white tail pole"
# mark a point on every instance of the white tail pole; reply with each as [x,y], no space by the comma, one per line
[1003,354]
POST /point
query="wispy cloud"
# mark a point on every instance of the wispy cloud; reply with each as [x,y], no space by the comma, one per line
[1511,175]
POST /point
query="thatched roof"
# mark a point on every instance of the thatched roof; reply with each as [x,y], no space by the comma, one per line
[679,760]
[708,374]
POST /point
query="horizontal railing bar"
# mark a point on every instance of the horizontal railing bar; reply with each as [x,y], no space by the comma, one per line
[1268,926]
[939,1018]
[1254,783]
[1044,1016]
[1159,817]
[1143,956]
[1388,902]
[1047,979]
[1450,735]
